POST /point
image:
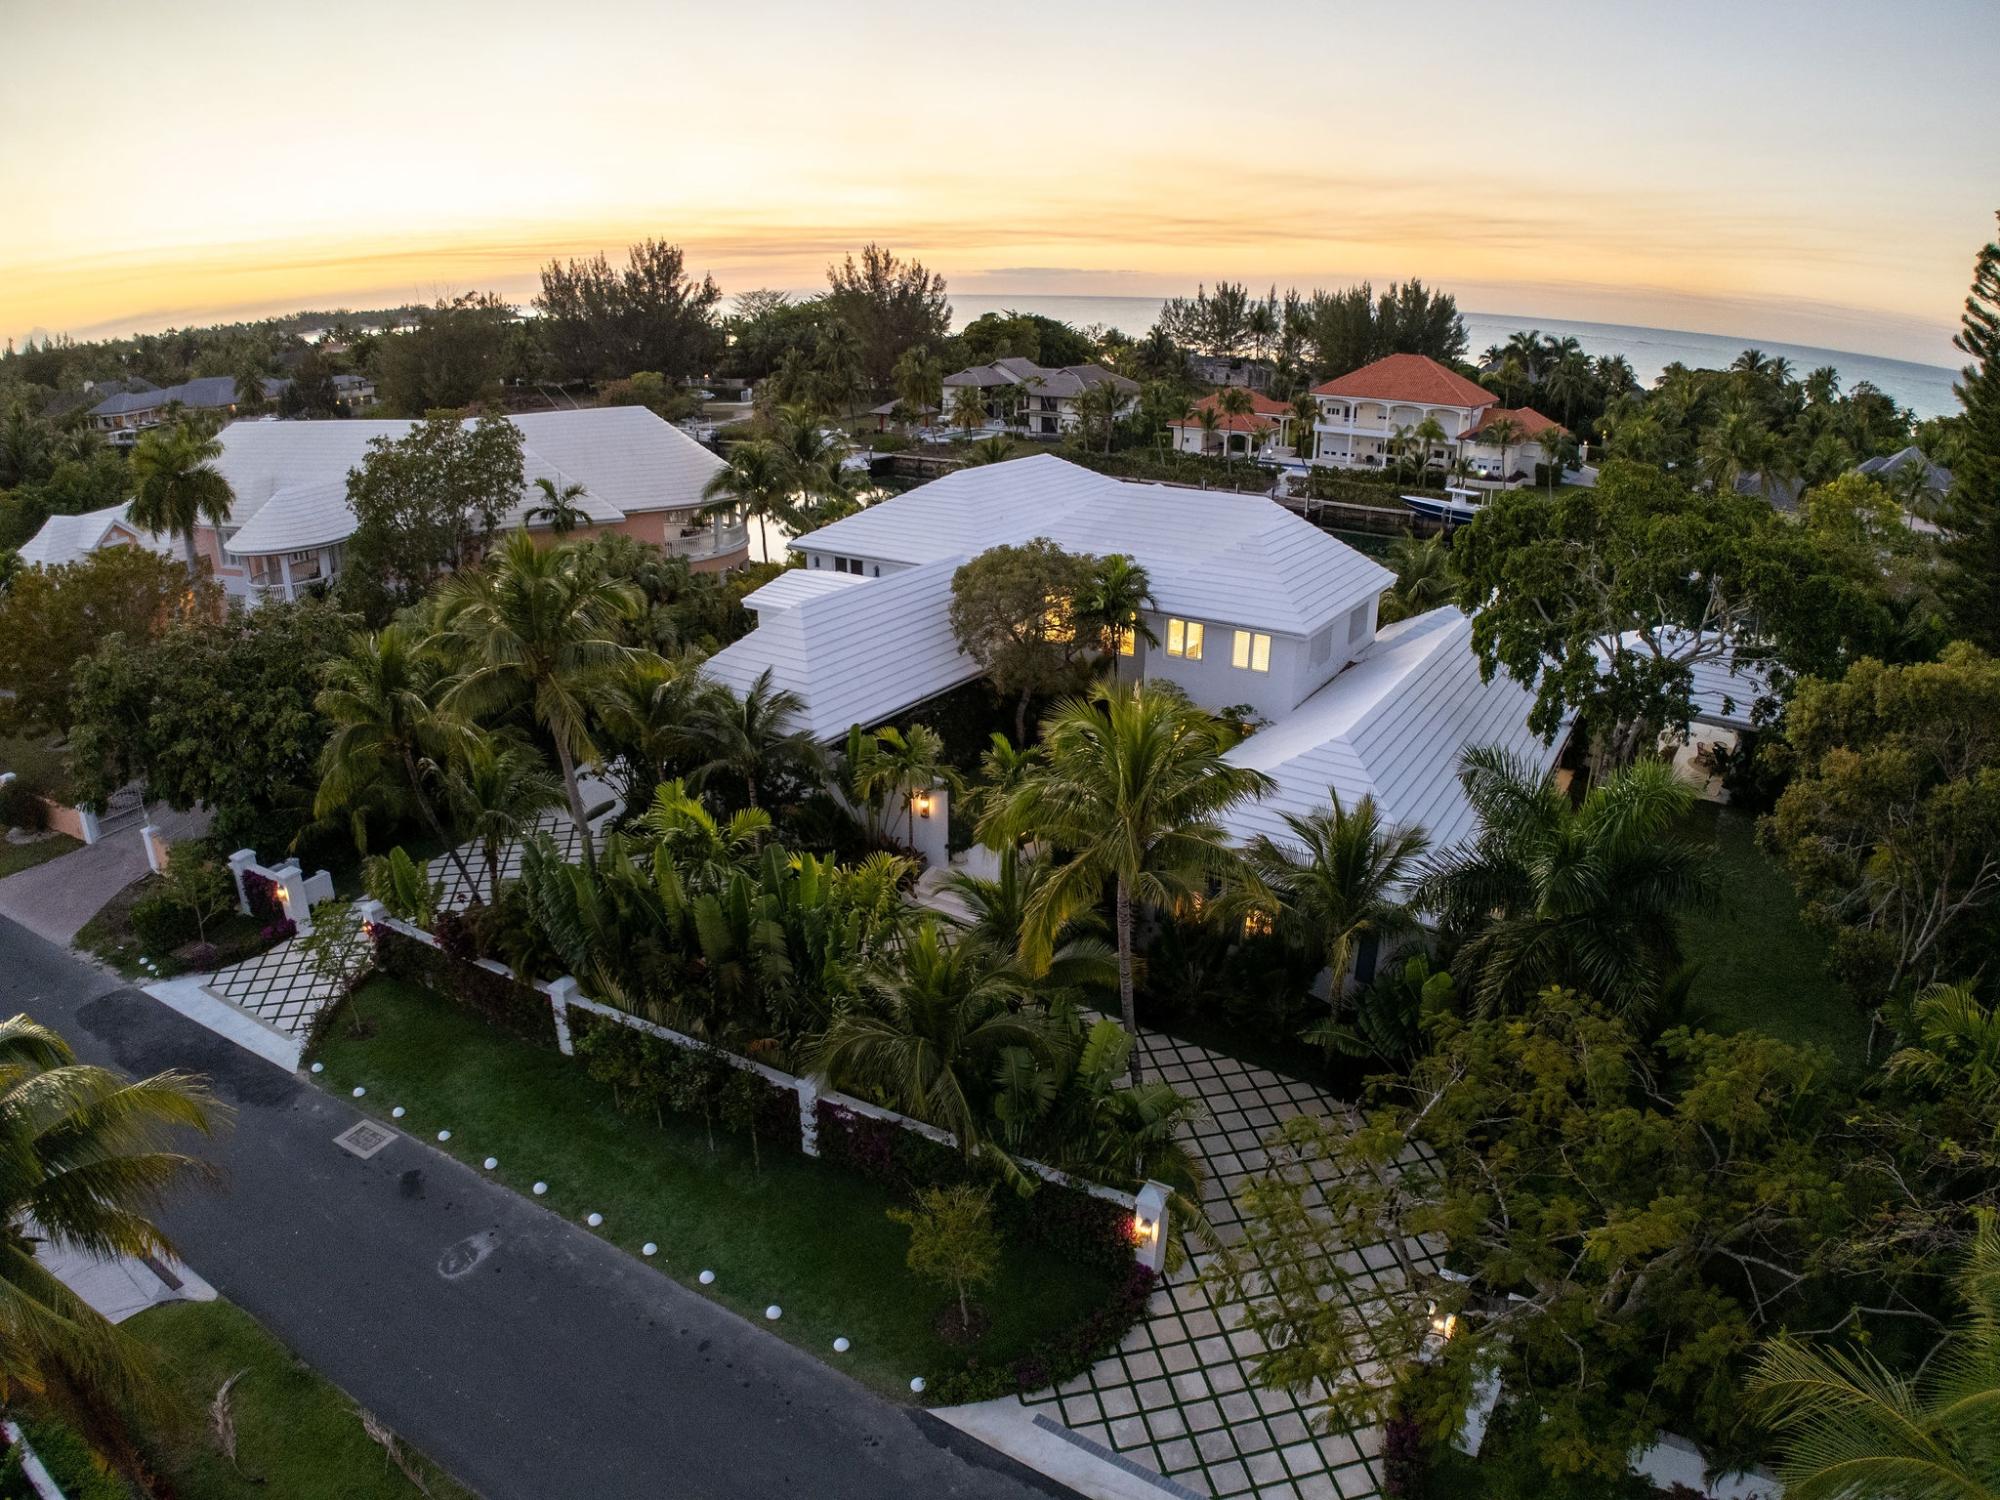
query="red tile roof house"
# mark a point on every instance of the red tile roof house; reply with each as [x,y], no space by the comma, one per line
[1362,413]
[1267,424]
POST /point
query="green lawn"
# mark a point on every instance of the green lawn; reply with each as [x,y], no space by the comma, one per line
[297,1436]
[15,858]
[807,1236]
[1761,966]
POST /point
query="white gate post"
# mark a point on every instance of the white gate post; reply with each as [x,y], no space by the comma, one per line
[560,992]
[808,1116]
[156,849]
[1149,1227]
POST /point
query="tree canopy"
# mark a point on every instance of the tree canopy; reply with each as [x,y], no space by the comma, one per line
[601,324]
[890,304]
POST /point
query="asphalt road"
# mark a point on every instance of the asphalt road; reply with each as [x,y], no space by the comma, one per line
[529,1358]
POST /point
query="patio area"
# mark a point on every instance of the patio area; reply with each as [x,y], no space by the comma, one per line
[1178,1397]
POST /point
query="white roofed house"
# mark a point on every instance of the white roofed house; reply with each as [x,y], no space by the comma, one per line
[1254,606]
[290,520]
[68,539]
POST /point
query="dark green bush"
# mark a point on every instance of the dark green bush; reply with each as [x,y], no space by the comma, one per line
[22,807]
[500,998]
[162,924]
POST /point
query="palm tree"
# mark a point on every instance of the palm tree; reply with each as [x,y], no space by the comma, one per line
[748,737]
[756,485]
[996,449]
[895,765]
[538,627]
[1112,605]
[1129,794]
[1305,412]
[1954,1046]
[1736,446]
[88,1159]
[919,380]
[705,851]
[1234,402]
[1568,382]
[497,789]
[813,459]
[1503,433]
[936,1023]
[381,698]
[1587,895]
[176,486]
[1339,877]
[1853,1429]
[1424,578]
[968,408]
[558,507]
[1426,435]
[1098,409]
[1209,420]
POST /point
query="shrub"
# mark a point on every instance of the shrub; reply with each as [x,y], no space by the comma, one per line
[952,1241]
[198,885]
[21,806]
[279,930]
[162,924]
[204,958]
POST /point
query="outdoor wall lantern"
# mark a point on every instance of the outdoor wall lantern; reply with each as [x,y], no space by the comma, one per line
[922,803]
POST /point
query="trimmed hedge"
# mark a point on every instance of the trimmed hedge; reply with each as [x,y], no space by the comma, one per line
[648,1074]
[260,894]
[501,999]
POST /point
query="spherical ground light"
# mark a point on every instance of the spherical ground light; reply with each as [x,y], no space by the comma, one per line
[707,1278]
[398,1112]
[841,1346]
[594,1220]
[492,1162]
[773,1313]
[444,1135]
[649,1248]
[917,1386]
[541,1188]
[359,1091]
[319,1067]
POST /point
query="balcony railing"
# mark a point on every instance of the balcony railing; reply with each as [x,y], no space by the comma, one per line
[696,543]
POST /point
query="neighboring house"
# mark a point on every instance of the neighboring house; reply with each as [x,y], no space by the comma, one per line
[1230,369]
[128,413]
[355,392]
[641,477]
[1894,471]
[1022,396]
[1365,416]
[1255,607]
[1521,456]
[66,539]
[1267,425]
[1781,492]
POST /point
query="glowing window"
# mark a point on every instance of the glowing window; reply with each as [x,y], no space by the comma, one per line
[1251,649]
[1184,639]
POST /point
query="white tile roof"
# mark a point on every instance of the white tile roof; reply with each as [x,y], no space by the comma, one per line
[1393,725]
[1724,692]
[856,655]
[65,539]
[290,478]
[1237,559]
[796,585]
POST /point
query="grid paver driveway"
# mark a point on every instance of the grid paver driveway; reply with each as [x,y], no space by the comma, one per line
[1178,1395]
[278,986]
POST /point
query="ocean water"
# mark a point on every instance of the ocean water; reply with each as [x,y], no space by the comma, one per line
[1925,389]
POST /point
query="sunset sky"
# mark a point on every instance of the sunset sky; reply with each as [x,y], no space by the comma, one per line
[1821,173]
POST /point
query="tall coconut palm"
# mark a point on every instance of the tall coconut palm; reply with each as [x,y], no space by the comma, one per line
[539,629]
[1425,436]
[496,790]
[705,851]
[1850,1428]
[1503,433]
[756,484]
[1305,412]
[1209,420]
[381,697]
[1233,402]
[814,459]
[895,766]
[1129,794]
[751,736]
[88,1158]
[919,380]
[1587,896]
[1337,878]
[936,1020]
[968,408]
[558,506]
[176,486]
[1112,604]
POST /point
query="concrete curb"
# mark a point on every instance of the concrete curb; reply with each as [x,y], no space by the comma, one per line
[1051,1450]
[188,997]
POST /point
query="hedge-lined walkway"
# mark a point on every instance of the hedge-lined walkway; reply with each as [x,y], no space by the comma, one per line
[1178,1396]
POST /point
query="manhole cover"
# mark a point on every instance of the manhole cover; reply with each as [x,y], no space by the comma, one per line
[364,1139]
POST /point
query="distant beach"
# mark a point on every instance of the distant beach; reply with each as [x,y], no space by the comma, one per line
[1925,389]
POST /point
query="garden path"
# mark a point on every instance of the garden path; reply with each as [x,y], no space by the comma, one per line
[1178,1396]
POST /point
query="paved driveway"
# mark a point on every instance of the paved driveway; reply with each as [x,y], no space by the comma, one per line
[53,900]
[526,1355]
